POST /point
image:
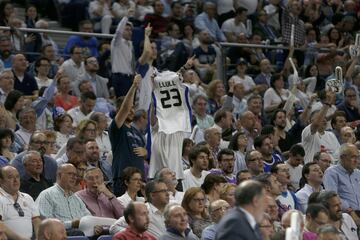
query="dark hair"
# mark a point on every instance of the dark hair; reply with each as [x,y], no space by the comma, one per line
[210,180]
[127,173]
[87,95]
[313,198]
[83,22]
[247,191]
[27,8]
[38,62]
[274,115]
[220,114]
[325,196]
[186,142]
[297,149]
[348,89]
[264,179]
[72,49]
[12,99]
[129,211]
[5,132]
[2,8]
[72,141]
[305,171]
[258,141]
[60,119]
[267,130]
[195,151]
[274,168]
[224,151]
[239,173]
[150,188]
[275,77]
[233,145]
[337,114]
[314,209]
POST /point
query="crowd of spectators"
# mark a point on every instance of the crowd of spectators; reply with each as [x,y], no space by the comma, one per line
[83,150]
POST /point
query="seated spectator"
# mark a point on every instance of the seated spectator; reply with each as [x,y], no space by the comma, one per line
[63,125]
[347,135]
[24,82]
[61,203]
[226,165]
[223,121]
[313,178]
[158,197]
[137,218]
[88,44]
[156,20]
[74,66]
[349,105]
[79,182]
[254,163]
[176,222]
[51,149]
[212,137]
[238,144]
[264,77]
[227,193]
[168,176]
[6,140]
[102,135]
[63,98]
[244,175]
[234,26]
[194,203]
[33,182]
[339,178]
[99,200]
[242,77]
[316,216]
[187,145]
[342,221]
[132,180]
[142,9]
[27,122]
[98,83]
[37,143]
[199,107]
[19,214]
[42,67]
[266,227]
[205,61]
[206,22]
[6,55]
[100,13]
[275,96]
[263,144]
[264,28]
[85,109]
[212,185]
[199,163]
[51,229]
[323,159]
[75,151]
[6,84]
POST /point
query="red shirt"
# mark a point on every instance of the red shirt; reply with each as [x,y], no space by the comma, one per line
[66,105]
[128,234]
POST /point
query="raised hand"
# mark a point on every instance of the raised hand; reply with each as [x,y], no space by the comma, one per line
[190,62]
[148,30]
[137,80]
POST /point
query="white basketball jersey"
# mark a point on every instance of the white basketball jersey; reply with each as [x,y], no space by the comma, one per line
[171,103]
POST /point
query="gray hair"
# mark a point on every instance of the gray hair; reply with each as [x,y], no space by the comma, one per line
[344,148]
[167,210]
[29,154]
[40,23]
[327,228]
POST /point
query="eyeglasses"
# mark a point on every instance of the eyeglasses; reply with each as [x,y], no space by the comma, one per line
[19,209]
[161,191]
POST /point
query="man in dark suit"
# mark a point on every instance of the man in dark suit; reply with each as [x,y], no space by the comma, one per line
[241,221]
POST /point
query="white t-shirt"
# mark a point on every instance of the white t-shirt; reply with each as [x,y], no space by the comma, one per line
[295,175]
[192,181]
[125,199]
[248,82]
[287,201]
[312,144]
[271,97]
[230,27]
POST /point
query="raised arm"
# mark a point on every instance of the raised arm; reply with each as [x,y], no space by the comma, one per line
[120,29]
[128,102]
[147,52]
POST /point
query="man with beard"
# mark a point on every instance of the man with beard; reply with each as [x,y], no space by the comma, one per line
[5,51]
[226,165]
[168,176]
[137,217]
[254,162]
[265,146]
[126,145]
[342,221]
[37,143]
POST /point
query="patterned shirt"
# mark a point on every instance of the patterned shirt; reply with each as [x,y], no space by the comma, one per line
[53,203]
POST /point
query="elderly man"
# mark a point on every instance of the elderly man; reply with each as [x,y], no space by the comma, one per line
[217,210]
[27,119]
[60,202]
[254,162]
[250,201]
[168,176]
[19,214]
[24,82]
[33,183]
[176,222]
[344,177]
[51,229]
[6,84]
[99,200]
[37,143]
[137,217]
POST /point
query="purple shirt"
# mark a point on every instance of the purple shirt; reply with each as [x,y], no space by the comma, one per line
[100,205]
[309,235]
[229,179]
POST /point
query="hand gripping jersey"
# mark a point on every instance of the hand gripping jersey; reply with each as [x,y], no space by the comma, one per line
[171,103]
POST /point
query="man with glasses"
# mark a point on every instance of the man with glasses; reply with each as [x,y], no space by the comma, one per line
[217,210]
[157,195]
[74,66]
[60,202]
[37,143]
[350,105]
[75,152]
[33,182]
[344,179]
[85,109]
[316,216]
[19,214]
[323,159]
[254,162]
[98,83]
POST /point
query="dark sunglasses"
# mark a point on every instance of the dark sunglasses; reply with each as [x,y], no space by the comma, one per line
[19,209]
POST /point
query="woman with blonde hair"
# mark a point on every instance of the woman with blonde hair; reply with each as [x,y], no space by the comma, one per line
[215,92]
[228,193]
[194,204]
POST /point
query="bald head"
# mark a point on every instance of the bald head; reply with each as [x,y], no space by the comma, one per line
[51,229]
[19,63]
